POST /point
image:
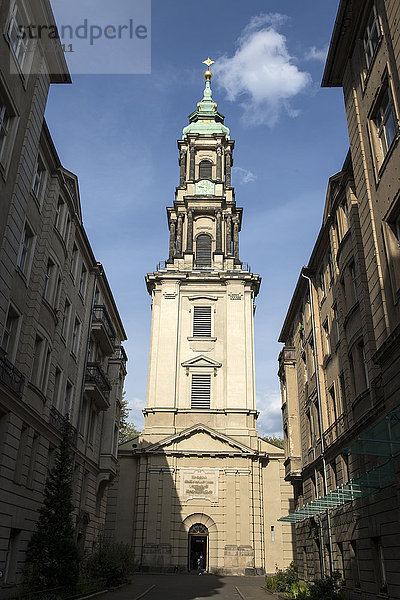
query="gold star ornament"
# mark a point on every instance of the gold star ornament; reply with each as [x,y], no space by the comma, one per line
[208,62]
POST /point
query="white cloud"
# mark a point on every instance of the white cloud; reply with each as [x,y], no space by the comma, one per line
[315,53]
[261,73]
[244,176]
[135,406]
[270,420]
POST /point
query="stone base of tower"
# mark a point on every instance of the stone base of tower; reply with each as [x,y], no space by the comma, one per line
[200,492]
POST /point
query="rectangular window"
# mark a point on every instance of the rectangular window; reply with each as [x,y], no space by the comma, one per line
[379,564]
[201,391]
[202,321]
[371,37]
[353,276]
[50,281]
[74,261]
[83,280]
[21,454]
[76,334]
[355,566]
[391,231]
[332,405]
[322,284]
[59,216]
[336,323]
[69,392]
[38,179]
[57,388]
[25,249]
[32,461]
[5,123]
[384,123]
[66,318]
[326,339]
[17,36]
[11,333]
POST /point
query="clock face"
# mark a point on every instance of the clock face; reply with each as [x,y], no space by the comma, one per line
[205,187]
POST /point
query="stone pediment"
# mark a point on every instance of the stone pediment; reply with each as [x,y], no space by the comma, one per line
[201,361]
[200,439]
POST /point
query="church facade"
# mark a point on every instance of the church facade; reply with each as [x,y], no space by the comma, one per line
[199,480]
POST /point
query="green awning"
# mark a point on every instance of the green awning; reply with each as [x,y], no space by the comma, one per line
[382,439]
[359,487]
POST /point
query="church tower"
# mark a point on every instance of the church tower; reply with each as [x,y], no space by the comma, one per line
[202,344]
[199,480]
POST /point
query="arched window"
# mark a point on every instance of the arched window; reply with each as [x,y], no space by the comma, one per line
[205,170]
[203,250]
[199,529]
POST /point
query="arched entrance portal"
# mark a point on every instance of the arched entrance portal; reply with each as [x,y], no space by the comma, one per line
[198,545]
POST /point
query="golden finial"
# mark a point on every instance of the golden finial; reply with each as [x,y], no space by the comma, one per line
[208,62]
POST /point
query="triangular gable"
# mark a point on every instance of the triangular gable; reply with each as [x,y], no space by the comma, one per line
[201,361]
[223,442]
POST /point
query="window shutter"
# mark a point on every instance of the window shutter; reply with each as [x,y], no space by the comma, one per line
[203,250]
[202,321]
[205,169]
[201,391]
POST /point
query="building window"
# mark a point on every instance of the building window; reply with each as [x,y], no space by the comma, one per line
[203,250]
[391,231]
[384,123]
[371,37]
[74,261]
[342,220]
[363,359]
[326,338]
[335,324]
[25,250]
[83,280]
[57,388]
[352,270]
[201,391]
[5,124]
[69,394]
[379,563]
[202,321]
[331,269]
[355,565]
[11,332]
[59,216]
[66,318]
[332,408]
[50,282]
[76,334]
[17,36]
[322,284]
[205,169]
[39,177]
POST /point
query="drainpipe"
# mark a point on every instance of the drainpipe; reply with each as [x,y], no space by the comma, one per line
[321,433]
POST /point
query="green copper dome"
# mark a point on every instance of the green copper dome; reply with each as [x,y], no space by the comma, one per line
[206,120]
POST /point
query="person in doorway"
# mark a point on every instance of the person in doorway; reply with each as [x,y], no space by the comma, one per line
[200,564]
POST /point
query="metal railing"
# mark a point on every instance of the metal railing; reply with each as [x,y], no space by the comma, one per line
[58,420]
[11,377]
[96,376]
[334,431]
[100,315]
[120,354]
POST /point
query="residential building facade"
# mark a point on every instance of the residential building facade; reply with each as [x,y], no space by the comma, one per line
[199,480]
[60,331]
[340,366]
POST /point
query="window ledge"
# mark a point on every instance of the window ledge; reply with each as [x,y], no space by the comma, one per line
[22,275]
[203,339]
[37,391]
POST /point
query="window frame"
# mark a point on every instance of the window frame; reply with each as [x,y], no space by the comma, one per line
[26,250]
[197,326]
[198,376]
[39,180]
[381,149]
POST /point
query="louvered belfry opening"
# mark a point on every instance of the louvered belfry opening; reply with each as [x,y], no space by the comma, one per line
[205,170]
[202,321]
[201,391]
[203,250]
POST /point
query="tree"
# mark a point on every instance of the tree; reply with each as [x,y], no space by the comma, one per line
[52,555]
[127,430]
[273,439]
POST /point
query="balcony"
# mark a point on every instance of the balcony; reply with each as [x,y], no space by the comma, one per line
[97,386]
[293,468]
[11,377]
[120,356]
[57,420]
[102,329]
[334,431]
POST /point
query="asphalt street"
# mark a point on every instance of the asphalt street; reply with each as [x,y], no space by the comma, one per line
[190,586]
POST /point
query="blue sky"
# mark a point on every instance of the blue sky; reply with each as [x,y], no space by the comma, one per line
[119,132]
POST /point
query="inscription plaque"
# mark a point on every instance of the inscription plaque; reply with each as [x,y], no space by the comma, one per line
[199,483]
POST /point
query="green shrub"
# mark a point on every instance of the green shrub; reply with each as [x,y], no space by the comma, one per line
[325,589]
[112,562]
[283,580]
